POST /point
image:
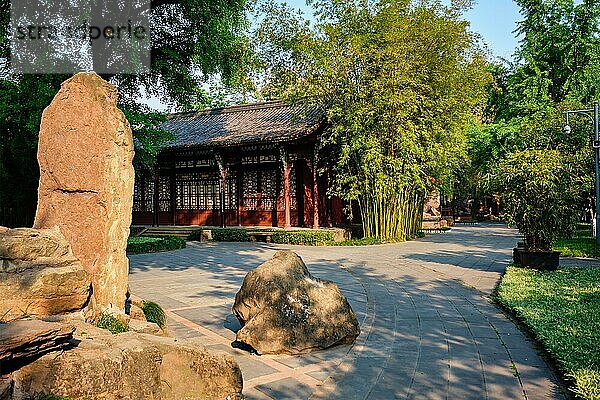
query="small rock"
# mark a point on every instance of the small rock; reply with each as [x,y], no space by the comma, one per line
[283,309]
[136,312]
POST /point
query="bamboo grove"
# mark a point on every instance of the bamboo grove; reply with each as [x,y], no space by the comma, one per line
[399,79]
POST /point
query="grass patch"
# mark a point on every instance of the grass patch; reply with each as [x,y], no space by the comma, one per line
[581,244]
[154,313]
[112,324]
[139,245]
[578,247]
[562,309]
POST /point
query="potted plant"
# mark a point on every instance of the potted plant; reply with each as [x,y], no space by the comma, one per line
[540,196]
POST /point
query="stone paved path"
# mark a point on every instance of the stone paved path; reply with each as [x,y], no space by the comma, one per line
[429,330]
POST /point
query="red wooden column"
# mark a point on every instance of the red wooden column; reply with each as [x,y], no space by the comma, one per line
[287,167]
[240,194]
[222,186]
[315,191]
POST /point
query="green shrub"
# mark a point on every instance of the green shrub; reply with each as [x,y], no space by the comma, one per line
[303,237]
[138,245]
[540,195]
[112,324]
[230,235]
[154,313]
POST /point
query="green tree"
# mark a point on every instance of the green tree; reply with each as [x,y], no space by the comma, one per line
[399,81]
[558,58]
[556,69]
[192,40]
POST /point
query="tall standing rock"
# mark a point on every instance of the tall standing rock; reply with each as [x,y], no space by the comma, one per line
[85,155]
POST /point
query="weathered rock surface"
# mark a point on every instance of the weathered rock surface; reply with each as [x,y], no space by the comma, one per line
[26,339]
[86,180]
[283,309]
[5,388]
[39,275]
[131,366]
[150,328]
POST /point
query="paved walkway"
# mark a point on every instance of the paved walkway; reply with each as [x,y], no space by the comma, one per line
[429,330]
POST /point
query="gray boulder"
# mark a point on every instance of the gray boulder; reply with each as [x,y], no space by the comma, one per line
[283,309]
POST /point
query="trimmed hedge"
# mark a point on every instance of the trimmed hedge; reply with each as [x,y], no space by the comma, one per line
[297,237]
[303,237]
[230,235]
[138,245]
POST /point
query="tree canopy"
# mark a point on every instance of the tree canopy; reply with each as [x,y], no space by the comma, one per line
[192,41]
[555,69]
[399,81]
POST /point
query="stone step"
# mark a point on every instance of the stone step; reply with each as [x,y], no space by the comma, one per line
[182,232]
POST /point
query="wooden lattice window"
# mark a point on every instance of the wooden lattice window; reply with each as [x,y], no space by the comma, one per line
[231,197]
[143,192]
[197,191]
[137,194]
[148,194]
[164,193]
[269,188]
[259,189]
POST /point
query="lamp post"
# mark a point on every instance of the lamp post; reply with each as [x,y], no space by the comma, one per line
[591,113]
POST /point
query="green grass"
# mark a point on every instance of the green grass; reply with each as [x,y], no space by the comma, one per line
[154,313]
[140,244]
[112,324]
[562,309]
[582,244]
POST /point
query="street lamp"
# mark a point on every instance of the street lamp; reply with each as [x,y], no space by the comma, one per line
[591,113]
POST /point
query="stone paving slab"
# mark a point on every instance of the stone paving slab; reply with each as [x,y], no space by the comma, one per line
[428,327]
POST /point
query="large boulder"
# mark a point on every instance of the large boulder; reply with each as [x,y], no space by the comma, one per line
[24,340]
[39,275]
[85,152]
[283,309]
[130,366]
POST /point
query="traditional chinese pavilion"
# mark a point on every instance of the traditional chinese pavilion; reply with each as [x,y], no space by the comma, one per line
[248,165]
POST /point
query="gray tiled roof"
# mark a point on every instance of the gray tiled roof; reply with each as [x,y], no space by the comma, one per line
[267,122]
